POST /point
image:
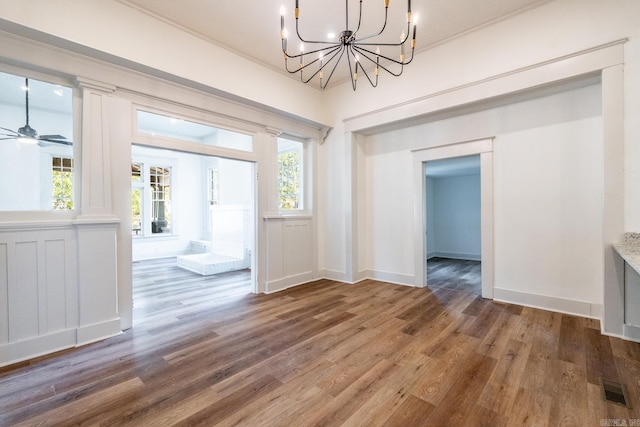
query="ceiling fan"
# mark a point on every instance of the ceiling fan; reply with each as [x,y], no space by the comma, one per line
[27,134]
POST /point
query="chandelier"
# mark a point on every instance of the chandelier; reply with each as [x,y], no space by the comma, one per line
[362,53]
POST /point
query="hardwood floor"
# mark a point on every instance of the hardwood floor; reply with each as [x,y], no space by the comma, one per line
[326,353]
[455,274]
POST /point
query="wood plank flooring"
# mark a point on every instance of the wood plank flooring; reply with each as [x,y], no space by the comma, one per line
[455,274]
[206,352]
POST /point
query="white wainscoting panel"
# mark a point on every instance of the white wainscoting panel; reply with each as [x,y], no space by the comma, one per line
[38,291]
[4,294]
[289,252]
[42,295]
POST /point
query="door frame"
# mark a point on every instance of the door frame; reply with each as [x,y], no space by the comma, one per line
[484,148]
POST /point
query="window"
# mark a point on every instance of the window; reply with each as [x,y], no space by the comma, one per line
[290,169]
[176,128]
[160,182]
[214,186]
[62,180]
[150,199]
[40,155]
[137,198]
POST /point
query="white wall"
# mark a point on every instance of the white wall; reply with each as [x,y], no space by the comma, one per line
[454,230]
[548,211]
[548,193]
[562,27]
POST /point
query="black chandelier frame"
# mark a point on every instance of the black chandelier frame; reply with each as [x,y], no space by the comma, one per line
[356,48]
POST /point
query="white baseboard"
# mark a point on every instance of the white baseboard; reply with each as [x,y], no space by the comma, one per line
[632,333]
[19,351]
[455,255]
[395,278]
[288,282]
[338,276]
[383,276]
[98,331]
[560,305]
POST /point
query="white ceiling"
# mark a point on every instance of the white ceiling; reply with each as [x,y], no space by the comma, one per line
[252,27]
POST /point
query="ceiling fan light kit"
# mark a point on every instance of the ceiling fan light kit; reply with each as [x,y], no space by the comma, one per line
[363,53]
[27,134]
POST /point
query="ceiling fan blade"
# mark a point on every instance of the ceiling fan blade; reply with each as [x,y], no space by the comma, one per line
[13,132]
[52,137]
[55,141]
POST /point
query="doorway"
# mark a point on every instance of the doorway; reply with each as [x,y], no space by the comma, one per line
[193,230]
[482,149]
[453,237]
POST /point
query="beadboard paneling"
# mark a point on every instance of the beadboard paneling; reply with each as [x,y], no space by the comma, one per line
[57,287]
[35,276]
[289,253]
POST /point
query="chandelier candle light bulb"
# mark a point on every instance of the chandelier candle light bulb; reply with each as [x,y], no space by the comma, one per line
[369,51]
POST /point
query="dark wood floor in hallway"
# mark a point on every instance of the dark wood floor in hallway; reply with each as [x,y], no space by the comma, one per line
[206,352]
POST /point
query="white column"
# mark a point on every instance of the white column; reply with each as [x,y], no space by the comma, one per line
[95,157]
[96,225]
[351,207]
[267,144]
[613,203]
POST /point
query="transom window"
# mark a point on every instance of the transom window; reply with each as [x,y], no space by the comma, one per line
[176,128]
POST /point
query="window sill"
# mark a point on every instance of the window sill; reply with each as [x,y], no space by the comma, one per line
[156,237]
[287,215]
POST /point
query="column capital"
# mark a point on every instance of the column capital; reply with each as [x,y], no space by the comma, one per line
[273,131]
[95,85]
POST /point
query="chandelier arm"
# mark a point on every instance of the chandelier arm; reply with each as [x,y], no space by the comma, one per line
[341,52]
[398,74]
[404,40]
[364,52]
[364,71]
[351,73]
[361,49]
[334,46]
[308,41]
[384,26]
[334,51]
[359,20]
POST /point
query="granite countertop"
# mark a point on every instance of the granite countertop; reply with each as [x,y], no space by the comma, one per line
[630,250]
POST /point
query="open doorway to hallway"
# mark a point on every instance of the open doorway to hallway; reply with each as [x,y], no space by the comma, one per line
[193,228]
[453,224]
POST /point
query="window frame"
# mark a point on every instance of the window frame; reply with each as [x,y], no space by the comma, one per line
[146,195]
[62,170]
[46,210]
[303,174]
